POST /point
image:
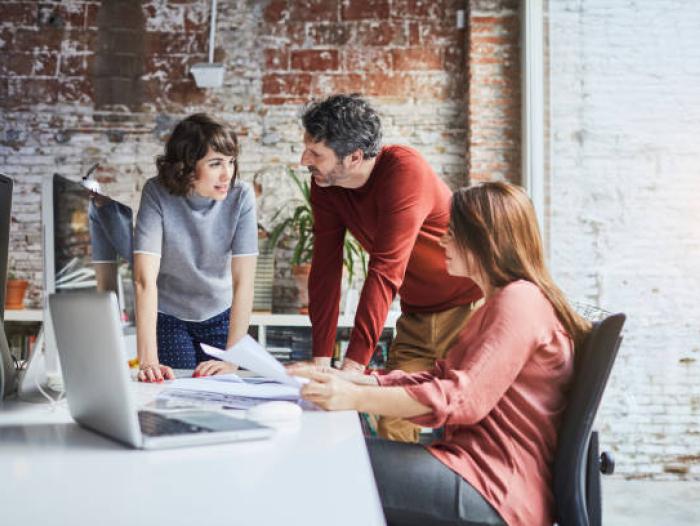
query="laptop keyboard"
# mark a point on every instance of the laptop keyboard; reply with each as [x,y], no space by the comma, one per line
[154,424]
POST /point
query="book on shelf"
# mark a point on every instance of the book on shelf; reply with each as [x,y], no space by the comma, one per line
[295,344]
[379,356]
[283,354]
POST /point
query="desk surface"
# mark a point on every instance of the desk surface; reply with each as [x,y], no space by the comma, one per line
[57,473]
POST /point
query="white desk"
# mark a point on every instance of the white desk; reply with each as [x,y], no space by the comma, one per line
[56,473]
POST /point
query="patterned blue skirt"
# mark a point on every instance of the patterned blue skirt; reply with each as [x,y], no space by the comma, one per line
[178,340]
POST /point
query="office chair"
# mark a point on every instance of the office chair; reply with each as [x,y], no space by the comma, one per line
[577,464]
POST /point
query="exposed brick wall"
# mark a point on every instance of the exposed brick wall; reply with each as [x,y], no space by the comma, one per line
[62,109]
[118,66]
[625,227]
[403,49]
[494,100]
[46,43]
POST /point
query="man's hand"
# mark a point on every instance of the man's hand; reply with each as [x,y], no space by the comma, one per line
[155,372]
[212,367]
[306,369]
[330,392]
[323,361]
[352,366]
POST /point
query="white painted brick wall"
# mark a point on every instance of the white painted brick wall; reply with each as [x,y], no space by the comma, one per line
[624,220]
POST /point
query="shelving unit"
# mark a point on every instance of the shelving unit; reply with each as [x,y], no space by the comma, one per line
[264,320]
[21,329]
[258,319]
[24,315]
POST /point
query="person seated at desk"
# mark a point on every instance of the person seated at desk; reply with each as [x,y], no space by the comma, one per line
[499,393]
[195,245]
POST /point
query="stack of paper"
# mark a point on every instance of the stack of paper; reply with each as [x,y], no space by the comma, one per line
[275,382]
[251,355]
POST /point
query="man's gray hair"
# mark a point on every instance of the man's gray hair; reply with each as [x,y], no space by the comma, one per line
[344,123]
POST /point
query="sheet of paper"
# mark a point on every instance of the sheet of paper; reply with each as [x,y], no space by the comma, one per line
[174,398]
[270,390]
[250,354]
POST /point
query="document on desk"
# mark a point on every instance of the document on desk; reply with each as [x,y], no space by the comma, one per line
[232,385]
[251,355]
[232,390]
[169,399]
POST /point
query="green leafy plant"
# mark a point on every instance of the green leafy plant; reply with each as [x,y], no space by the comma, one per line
[300,224]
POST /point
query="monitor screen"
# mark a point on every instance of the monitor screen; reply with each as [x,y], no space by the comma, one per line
[7,369]
[92,244]
[5,218]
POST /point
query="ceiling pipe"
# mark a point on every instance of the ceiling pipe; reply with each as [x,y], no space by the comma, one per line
[209,74]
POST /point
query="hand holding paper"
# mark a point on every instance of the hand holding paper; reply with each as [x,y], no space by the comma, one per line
[251,355]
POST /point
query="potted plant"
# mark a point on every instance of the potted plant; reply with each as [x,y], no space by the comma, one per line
[15,291]
[300,224]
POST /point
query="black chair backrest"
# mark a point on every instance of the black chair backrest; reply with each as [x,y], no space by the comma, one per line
[593,363]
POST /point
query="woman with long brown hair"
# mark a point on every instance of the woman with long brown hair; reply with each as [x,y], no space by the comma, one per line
[499,393]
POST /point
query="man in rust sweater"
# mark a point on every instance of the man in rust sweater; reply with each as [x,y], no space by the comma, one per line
[397,208]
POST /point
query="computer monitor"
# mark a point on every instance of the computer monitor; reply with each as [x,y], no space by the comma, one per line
[5,219]
[7,368]
[88,239]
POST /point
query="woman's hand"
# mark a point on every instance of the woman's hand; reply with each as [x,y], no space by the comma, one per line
[212,367]
[155,372]
[306,369]
[330,392]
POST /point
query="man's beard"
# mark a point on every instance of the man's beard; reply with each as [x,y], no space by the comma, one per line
[327,180]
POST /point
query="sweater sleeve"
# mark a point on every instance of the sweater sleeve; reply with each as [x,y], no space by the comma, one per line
[148,237]
[511,330]
[404,208]
[245,239]
[326,274]
[398,377]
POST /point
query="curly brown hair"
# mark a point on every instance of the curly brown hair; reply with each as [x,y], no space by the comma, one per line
[190,142]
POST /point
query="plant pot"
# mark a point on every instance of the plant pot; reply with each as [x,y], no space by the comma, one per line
[301,278]
[16,289]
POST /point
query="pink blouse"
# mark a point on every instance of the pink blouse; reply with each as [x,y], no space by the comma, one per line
[500,393]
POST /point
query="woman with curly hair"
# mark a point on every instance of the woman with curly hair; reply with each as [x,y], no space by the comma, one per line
[499,393]
[194,252]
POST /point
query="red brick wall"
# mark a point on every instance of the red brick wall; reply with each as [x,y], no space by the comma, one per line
[85,81]
[493,102]
[90,52]
[397,49]
[400,49]
[43,52]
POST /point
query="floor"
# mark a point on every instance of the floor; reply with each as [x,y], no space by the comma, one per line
[648,503]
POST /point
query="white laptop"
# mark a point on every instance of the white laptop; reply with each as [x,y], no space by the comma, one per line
[96,378]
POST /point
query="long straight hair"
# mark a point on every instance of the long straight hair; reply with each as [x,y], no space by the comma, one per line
[496,223]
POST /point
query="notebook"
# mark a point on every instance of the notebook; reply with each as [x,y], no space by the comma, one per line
[91,350]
